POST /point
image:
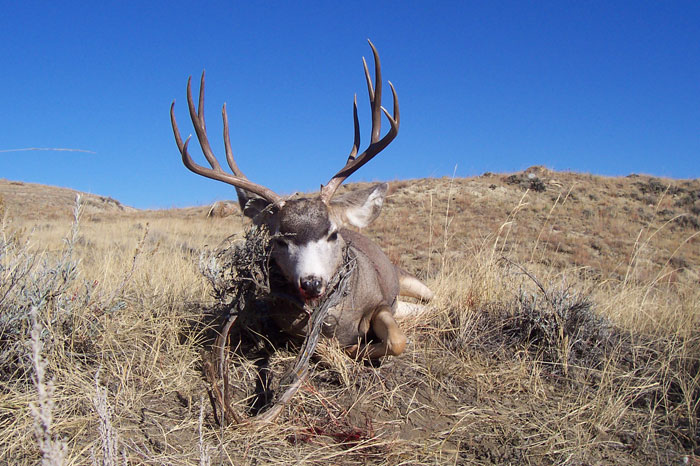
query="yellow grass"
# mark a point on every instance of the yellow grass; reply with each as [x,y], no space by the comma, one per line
[465,391]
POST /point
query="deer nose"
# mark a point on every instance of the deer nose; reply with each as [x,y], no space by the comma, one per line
[311,287]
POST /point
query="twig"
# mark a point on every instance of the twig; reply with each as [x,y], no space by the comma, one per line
[298,373]
[217,368]
[532,277]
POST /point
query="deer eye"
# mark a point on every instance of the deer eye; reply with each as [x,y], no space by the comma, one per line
[333,236]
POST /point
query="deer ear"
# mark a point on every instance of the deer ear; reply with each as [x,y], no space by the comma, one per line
[251,204]
[360,208]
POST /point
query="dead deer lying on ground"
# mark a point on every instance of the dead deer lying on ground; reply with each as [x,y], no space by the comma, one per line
[310,235]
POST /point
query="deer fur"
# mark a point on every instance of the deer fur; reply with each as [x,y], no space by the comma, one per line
[312,234]
[375,283]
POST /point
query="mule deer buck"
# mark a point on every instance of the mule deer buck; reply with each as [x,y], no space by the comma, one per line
[311,234]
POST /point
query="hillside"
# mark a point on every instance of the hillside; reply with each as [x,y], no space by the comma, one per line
[565,330]
[36,201]
[565,220]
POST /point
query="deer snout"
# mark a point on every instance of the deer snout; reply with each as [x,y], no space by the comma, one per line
[311,286]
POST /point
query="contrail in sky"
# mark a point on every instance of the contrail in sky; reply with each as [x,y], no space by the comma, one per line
[62,149]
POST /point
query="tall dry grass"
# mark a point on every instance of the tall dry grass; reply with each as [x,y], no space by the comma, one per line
[517,361]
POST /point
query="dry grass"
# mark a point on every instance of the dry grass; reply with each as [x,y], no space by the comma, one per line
[565,330]
[39,202]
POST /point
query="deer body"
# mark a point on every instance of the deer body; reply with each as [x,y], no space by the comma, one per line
[311,236]
[375,286]
[309,243]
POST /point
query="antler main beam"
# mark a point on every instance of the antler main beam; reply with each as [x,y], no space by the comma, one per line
[237,178]
[376,144]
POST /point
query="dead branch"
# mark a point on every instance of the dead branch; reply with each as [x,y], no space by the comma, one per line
[247,269]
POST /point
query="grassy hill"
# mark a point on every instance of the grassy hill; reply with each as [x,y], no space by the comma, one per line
[36,201]
[565,330]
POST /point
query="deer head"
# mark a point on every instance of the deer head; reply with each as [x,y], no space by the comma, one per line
[307,241]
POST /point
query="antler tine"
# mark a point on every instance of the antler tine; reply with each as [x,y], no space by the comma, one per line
[376,144]
[375,96]
[368,78]
[200,103]
[227,145]
[356,139]
[198,122]
[236,179]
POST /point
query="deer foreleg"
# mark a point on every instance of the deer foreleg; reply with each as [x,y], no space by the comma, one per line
[392,339]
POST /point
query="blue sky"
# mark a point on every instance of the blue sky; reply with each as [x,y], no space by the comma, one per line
[603,87]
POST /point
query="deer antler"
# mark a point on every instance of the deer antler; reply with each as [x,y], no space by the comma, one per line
[376,145]
[237,179]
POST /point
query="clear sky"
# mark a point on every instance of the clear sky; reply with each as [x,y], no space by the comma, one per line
[604,87]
